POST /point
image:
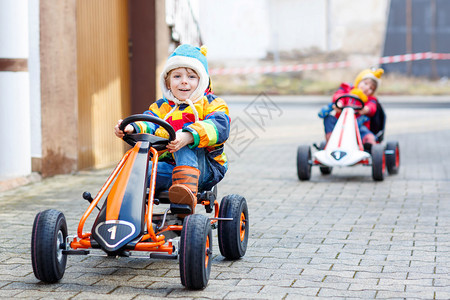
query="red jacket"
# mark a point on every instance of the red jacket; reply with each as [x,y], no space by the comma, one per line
[371,103]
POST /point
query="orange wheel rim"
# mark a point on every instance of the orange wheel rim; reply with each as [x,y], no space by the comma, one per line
[242,227]
[207,252]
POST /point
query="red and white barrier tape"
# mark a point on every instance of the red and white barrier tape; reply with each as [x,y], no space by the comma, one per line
[415,56]
[326,66]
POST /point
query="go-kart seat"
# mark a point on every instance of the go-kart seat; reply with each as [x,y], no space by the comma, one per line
[162,196]
[378,122]
[203,195]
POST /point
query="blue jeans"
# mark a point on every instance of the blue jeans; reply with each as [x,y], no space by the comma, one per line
[330,121]
[184,157]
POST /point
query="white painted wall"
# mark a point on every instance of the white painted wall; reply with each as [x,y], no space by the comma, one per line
[15,153]
[248,30]
[14,29]
[235,29]
[297,25]
[15,157]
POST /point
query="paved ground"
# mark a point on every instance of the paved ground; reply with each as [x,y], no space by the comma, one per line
[338,236]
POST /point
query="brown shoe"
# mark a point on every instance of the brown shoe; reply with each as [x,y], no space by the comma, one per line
[184,186]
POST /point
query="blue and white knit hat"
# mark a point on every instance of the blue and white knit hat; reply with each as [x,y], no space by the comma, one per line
[187,56]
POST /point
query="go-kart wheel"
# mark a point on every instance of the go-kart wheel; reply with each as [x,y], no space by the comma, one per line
[378,162]
[195,252]
[233,235]
[323,169]
[392,153]
[304,162]
[47,243]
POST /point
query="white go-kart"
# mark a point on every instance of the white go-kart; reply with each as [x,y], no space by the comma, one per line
[345,147]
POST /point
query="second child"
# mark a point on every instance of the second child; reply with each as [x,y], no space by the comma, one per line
[364,87]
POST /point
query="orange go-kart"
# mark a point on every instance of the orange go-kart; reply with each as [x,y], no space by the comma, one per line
[127,221]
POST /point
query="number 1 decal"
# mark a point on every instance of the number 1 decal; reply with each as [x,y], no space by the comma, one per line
[113,232]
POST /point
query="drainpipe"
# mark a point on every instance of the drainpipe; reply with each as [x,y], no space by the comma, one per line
[409,35]
[434,73]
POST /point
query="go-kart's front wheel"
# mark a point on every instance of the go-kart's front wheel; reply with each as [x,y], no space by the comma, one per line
[195,252]
[233,235]
[47,243]
[392,153]
[378,162]
[304,162]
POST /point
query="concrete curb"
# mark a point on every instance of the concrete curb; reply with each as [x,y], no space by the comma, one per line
[10,183]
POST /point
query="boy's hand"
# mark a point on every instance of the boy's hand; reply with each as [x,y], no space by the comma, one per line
[119,133]
[364,111]
[182,139]
[338,110]
[325,110]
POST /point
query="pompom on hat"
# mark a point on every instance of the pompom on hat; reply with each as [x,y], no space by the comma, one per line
[374,74]
[187,56]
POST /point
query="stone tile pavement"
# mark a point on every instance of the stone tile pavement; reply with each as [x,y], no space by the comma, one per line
[337,236]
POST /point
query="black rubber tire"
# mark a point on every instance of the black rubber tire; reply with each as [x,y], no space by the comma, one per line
[195,252]
[392,153]
[323,169]
[233,235]
[47,240]
[304,162]
[378,162]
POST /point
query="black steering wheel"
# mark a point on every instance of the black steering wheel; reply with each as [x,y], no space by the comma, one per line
[159,143]
[354,97]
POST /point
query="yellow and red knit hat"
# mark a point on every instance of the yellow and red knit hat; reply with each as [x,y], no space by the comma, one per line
[373,73]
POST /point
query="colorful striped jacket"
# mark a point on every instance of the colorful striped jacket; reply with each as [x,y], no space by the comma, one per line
[210,132]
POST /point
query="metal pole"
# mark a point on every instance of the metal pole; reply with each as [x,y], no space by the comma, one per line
[434,73]
[408,35]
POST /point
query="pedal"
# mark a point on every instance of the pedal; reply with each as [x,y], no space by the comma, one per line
[180,209]
[163,256]
[368,147]
[207,196]
[124,253]
[75,252]
[121,253]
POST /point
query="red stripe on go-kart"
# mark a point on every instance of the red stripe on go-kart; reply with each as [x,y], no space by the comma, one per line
[358,136]
[342,129]
[118,190]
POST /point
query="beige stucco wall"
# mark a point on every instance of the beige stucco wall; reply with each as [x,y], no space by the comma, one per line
[58,86]
[162,42]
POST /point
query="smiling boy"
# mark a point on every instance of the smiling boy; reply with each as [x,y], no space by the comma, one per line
[200,120]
